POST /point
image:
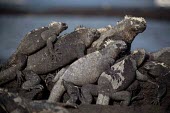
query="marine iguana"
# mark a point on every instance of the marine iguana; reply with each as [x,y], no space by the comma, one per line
[87,69]
[113,82]
[125,30]
[106,89]
[66,49]
[161,55]
[157,67]
[13,103]
[159,72]
[13,71]
[37,39]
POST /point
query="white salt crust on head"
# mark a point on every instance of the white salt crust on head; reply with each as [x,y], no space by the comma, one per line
[140,19]
[53,23]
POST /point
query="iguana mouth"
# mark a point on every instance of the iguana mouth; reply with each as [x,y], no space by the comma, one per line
[65,26]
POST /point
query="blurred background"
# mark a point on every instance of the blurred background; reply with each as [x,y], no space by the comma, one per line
[17,17]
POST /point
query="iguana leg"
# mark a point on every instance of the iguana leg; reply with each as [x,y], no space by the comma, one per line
[49,81]
[80,50]
[134,88]
[57,91]
[59,74]
[50,38]
[31,95]
[19,78]
[50,46]
[87,92]
[161,86]
[7,75]
[49,78]
[124,96]
[73,92]
[32,80]
[103,99]
[11,72]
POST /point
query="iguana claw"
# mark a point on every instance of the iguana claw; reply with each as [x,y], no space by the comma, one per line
[156,101]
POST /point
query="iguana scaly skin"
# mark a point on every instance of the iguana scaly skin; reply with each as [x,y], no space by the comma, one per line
[157,68]
[87,69]
[113,82]
[125,30]
[66,49]
[161,55]
[13,71]
[37,39]
[159,72]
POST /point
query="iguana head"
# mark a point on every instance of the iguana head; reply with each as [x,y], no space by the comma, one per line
[139,56]
[133,24]
[58,27]
[88,35]
[156,68]
[129,27]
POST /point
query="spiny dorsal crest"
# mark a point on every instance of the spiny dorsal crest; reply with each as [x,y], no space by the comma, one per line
[101,30]
[54,23]
[79,27]
[140,19]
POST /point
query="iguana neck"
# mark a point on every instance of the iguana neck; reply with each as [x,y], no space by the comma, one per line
[54,31]
[110,52]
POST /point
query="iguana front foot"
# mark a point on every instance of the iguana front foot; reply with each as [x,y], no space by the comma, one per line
[32,80]
[72,91]
[162,89]
[156,101]
[123,96]
[20,78]
[31,94]
[55,56]
[87,93]
[103,99]
[49,78]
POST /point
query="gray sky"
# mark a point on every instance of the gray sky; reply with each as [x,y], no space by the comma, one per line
[82,3]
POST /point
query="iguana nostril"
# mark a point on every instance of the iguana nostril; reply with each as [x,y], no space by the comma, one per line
[64,25]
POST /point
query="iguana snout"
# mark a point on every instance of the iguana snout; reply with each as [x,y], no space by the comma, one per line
[139,56]
[58,27]
[137,24]
[64,25]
